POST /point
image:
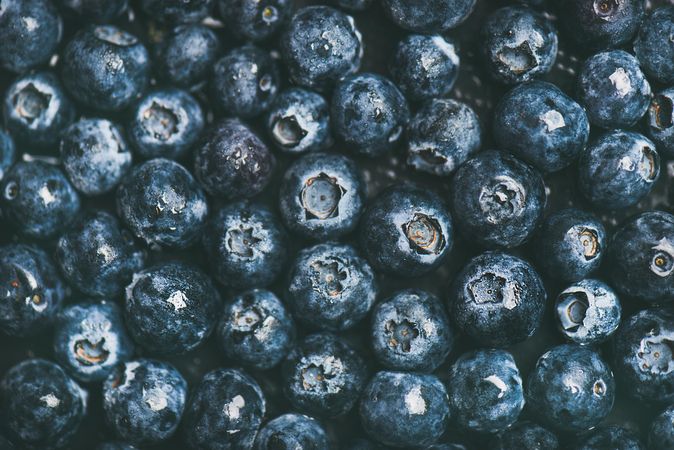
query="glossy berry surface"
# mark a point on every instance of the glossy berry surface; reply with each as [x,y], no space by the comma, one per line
[428,16]
[654,47]
[7,152]
[255,20]
[611,436]
[292,431]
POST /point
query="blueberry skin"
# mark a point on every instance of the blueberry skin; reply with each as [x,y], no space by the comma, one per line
[90,340]
[38,199]
[165,123]
[330,287]
[519,44]
[8,152]
[225,411]
[117,445]
[177,11]
[246,245]
[95,155]
[428,16]
[233,162]
[406,231]
[299,121]
[41,406]
[144,400]
[661,435]
[30,31]
[588,312]
[105,68]
[186,54]
[253,20]
[27,272]
[316,59]
[570,245]
[292,431]
[497,299]
[162,204]
[571,388]
[660,124]
[641,258]
[420,403]
[653,46]
[323,376]
[613,89]
[368,114]
[100,11]
[411,331]
[525,436]
[354,5]
[498,201]
[256,330]
[442,135]
[424,67]
[613,437]
[171,308]
[541,125]
[36,109]
[485,390]
[97,256]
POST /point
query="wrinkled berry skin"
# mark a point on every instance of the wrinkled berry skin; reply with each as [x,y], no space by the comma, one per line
[330,287]
[661,435]
[571,388]
[27,272]
[171,308]
[38,199]
[424,67]
[97,256]
[186,54]
[177,11]
[162,204]
[406,231]
[525,436]
[570,244]
[485,390]
[95,155]
[498,201]
[661,121]
[28,43]
[641,258]
[519,44]
[442,135]
[232,161]
[144,400]
[368,114]
[541,125]
[497,299]
[253,20]
[256,330]
[323,376]
[411,331]
[292,431]
[611,436]
[420,403]
[654,47]
[321,196]
[90,340]
[316,59]
[225,411]
[613,89]
[246,245]
[100,11]
[105,68]
[428,16]
[7,152]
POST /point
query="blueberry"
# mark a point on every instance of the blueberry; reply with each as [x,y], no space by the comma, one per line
[254,20]
[177,11]
[661,121]
[90,340]
[428,16]
[292,431]
[8,152]
[368,113]
[541,125]
[525,436]
[320,46]
[32,290]
[613,89]
[446,446]
[116,445]
[299,121]
[354,5]
[97,256]
[100,11]
[611,436]
[38,199]
[95,155]
[411,331]
[406,231]
[661,435]
[498,200]
[144,400]
[256,329]
[233,162]
[442,135]
[571,388]
[519,44]
[363,444]
[225,411]
[41,406]
[404,409]
[330,287]
[323,376]
[654,47]
[105,68]
[497,299]
[162,204]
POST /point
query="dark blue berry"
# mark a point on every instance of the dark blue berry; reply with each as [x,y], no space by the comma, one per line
[116,445]
[661,121]
[654,47]
[611,436]
[177,11]
[354,5]
[428,16]
[661,435]
[100,11]
[8,152]
[292,431]
[525,436]
[254,20]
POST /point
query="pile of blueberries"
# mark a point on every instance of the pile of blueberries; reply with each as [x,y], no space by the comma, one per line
[278,225]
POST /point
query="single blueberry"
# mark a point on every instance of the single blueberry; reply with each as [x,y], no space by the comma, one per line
[292,431]
[610,436]
[8,152]
[428,16]
[177,11]
[254,20]
[661,121]
[654,46]
[100,11]
[525,436]
[661,435]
